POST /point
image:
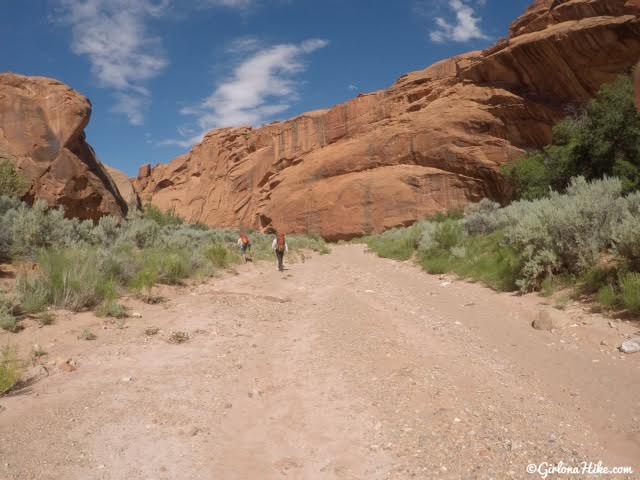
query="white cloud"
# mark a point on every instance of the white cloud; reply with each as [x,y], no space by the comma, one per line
[261,86]
[230,3]
[352,87]
[466,26]
[123,55]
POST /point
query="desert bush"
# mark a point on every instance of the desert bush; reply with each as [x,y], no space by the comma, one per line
[8,320]
[34,294]
[141,232]
[448,234]
[10,368]
[563,232]
[69,279]
[218,255]
[482,218]
[107,231]
[169,266]
[46,318]
[111,308]
[12,184]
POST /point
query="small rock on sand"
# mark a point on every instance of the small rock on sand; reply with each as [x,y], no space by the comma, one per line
[548,321]
[631,346]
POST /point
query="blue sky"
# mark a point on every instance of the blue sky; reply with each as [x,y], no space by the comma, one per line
[160,73]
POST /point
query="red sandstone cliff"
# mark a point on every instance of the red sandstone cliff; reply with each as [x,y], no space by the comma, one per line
[42,124]
[432,142]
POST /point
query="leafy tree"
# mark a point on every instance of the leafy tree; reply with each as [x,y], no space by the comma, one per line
[603,141]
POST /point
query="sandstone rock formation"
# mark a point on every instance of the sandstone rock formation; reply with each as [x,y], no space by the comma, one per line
[42,125]
[125,187]
[432,142]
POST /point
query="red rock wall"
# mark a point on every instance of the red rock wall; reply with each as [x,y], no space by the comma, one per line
[432,142]
[42,124]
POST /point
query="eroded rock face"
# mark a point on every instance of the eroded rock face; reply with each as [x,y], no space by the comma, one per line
[42,125]
[432,142]
[125,187]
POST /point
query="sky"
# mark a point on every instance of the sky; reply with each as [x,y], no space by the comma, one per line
[162,73]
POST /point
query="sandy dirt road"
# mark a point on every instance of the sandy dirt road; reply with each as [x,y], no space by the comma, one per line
[346,366]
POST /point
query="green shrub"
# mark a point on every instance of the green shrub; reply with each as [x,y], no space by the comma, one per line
[153,213]
[87,335]
[218,255]
[144,282]
[630,292]
[530,177]
[398,244]
[111,308]
[12,184]
[448,234]
[595,278]
[166,266]
[8,321]
[10,368]
[46,318]
[69,279]
[483,258]
[607,297]
[34,293]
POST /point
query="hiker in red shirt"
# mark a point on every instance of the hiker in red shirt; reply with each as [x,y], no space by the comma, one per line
[280,246]
[245,246]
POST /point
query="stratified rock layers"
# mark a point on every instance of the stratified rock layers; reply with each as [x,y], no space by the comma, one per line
[433,142]
[42,124]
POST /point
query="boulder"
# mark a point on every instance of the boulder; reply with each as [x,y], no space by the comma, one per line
[435,141]
[42,124]
[547,320]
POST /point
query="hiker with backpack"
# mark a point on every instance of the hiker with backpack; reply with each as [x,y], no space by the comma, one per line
[280,246]
[245,246]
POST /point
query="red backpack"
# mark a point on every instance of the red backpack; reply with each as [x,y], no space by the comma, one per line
[280,242]
[245,240]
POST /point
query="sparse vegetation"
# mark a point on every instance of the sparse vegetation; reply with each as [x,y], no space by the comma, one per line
[8,321]
[178,337]
[587,238]
[36,352]
[46,318]
[151,331]
[111,308]
[82,266]
[87,335]
[10,368]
